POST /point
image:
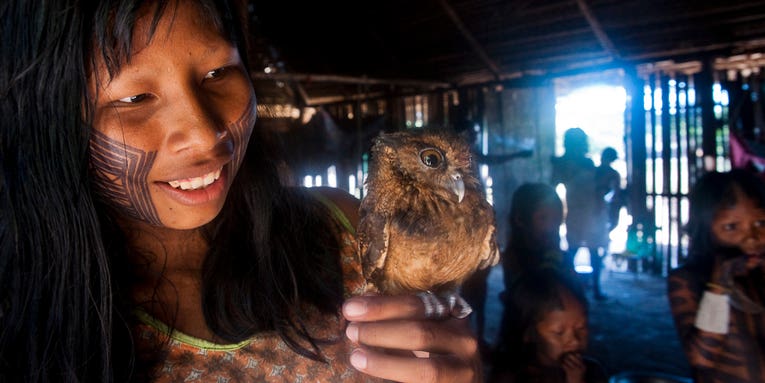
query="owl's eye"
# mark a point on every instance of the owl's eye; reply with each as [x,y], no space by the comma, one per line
[432,158]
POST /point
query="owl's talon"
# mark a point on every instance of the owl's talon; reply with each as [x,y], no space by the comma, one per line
[435,308]
[458,307]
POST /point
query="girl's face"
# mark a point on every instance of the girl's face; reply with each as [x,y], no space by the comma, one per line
[562,331]
[171,128]
[741,226]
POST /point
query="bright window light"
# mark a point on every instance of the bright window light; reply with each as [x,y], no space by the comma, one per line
[332,176]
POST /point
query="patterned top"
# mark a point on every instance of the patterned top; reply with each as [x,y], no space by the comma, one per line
[738,356]
[265,357]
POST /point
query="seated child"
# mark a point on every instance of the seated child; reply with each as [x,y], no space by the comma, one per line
[545,332]
[536,213]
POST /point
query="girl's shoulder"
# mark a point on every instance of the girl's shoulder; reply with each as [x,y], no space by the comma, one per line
[685,278]
[344,206]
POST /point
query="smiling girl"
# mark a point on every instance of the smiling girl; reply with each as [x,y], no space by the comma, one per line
[144,234]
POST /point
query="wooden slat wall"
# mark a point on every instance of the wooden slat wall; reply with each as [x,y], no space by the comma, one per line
[686,134]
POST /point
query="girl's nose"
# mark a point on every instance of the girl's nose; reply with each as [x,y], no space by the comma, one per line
[195,123]
[754,233]
[573,342]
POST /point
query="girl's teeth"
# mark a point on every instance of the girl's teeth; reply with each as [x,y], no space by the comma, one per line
[196,182]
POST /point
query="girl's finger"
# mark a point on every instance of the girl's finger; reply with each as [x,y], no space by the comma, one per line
[380,307]
[438,337]
[573,360]
[412,369]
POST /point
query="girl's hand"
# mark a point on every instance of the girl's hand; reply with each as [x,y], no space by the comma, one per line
[726,270]
[574,367]
[397,342]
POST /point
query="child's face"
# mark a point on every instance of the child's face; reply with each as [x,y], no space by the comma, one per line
[562,331]
[172,126]
[741,226]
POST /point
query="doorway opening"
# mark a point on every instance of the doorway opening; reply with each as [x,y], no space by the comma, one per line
[597,106]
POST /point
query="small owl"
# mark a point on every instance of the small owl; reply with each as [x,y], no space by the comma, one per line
[425,223]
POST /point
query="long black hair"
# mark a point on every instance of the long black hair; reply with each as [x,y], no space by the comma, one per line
[712,192]
[64,308]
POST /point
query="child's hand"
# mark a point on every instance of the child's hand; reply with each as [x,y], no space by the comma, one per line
[437,350]
[727,270]
[574,367]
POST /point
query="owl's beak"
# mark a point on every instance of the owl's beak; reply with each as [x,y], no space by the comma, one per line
[458,186]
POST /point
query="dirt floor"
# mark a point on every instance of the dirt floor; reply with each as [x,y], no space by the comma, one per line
[631,331]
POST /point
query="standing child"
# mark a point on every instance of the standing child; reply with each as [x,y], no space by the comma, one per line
[546,338]
[717,296]
[584,223]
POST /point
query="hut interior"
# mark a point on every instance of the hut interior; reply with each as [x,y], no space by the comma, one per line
[331,75]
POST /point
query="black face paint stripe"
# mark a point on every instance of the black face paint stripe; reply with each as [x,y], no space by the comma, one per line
[120,173]
[240,131]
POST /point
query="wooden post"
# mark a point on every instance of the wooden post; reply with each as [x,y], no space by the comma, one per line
[708,122]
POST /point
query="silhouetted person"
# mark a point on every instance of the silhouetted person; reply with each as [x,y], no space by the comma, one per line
[584,221]
[608,183]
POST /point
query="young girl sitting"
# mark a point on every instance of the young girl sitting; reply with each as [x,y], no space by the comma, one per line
[546,337]
[717,296]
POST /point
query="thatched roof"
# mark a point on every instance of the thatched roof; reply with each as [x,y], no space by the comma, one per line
[337,48]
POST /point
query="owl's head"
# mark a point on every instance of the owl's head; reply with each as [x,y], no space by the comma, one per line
[435,162]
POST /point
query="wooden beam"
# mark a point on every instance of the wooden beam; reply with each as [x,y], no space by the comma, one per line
[338,79]
[318,101]
[477,48]
[605,42]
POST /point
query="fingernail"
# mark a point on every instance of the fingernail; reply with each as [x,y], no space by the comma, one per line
[352,332]
[359,359]
[355,308]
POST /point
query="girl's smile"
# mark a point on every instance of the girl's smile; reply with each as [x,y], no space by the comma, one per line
[196,190]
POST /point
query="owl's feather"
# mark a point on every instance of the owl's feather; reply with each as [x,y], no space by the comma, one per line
[425,223]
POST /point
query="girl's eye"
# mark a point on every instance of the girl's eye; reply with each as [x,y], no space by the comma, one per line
[729,226]
[134,99]
[215,73]
[759,223]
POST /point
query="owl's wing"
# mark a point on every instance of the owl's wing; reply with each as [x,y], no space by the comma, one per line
[489,249]
[373,243]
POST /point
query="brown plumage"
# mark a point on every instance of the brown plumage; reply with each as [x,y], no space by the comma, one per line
[425,222]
